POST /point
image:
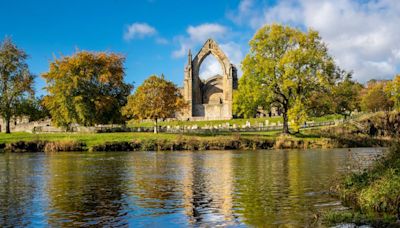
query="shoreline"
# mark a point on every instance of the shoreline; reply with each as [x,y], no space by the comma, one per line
[193,143]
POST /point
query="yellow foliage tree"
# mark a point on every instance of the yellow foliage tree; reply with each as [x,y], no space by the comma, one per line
[394,91]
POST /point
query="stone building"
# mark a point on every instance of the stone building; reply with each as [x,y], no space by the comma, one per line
[209,99]
[15,122]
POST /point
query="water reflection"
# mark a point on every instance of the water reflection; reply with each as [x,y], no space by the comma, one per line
[85,190]
[178,189]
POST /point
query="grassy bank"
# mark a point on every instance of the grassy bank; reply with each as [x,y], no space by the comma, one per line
[26,142]
[238,122]
[374,194]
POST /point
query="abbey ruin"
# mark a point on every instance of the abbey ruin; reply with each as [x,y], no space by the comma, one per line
[209,99]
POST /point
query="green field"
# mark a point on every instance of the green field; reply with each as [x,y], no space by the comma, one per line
[238,122]
[91,139]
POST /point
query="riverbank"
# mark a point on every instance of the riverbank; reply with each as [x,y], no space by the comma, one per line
[374,194]
[141,141]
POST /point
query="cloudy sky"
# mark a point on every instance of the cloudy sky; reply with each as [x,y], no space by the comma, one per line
[155,35]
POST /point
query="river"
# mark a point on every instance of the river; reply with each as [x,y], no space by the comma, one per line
[172,189]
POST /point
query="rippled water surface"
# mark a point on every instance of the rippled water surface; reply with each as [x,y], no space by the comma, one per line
[170,189]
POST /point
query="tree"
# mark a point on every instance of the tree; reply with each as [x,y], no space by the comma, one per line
[289,65]
[86,88]
[393,89]
[346,96]
[247,98]
[155,99]
[375,98]
[320,103]
[15,80]
[33,108]
[297,114]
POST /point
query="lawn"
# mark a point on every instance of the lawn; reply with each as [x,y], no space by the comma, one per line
[91,139]
[88,138]
[238,122]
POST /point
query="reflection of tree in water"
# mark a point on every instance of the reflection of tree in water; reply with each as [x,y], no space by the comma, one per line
[167,182]
[274,188]
[86,189]
[18,188]
[155,182]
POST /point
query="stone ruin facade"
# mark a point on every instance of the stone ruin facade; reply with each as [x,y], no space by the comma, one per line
[209,99]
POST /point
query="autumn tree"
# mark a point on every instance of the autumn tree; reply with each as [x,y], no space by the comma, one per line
[86,88]
[289,65]
[16,82]
[155,99]
[375,98]
[393,90]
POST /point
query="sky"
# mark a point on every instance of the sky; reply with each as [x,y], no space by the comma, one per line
[155,35]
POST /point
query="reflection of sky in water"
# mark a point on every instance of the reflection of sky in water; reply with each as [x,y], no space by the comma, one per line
[171,188]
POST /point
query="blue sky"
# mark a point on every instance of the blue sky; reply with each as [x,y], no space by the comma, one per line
[155,35]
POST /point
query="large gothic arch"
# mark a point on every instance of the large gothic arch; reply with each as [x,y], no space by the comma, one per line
[212,98]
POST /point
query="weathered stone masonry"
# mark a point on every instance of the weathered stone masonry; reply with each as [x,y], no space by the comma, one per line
[210,99]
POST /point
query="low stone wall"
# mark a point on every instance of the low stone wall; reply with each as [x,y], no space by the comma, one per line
[221,128]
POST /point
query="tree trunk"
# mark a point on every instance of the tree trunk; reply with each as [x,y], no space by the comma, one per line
[285,121]
[7,119]
[155,127]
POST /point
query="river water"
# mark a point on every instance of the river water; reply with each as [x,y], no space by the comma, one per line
[172,189]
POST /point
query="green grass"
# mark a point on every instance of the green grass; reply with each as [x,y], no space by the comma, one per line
[89,138]
[374,193]
[238,122]
[333,218]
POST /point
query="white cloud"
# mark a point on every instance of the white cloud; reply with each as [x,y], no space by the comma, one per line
[139,30]
[160,40]
[204,31]
[363,36]
[197,35]
[211,65]
[244,10]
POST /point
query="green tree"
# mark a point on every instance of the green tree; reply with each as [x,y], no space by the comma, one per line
[247,98]
[155,99]
[375,98]
[320,103]
[33,108]
[87,88]
[297,114]
[394,91]
[346,95]
[289,65]
[15,80]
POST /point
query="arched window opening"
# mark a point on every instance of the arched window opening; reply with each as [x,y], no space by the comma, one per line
[210,67]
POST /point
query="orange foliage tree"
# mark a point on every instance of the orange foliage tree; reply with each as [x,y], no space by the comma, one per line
[155,99]
[86,88]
